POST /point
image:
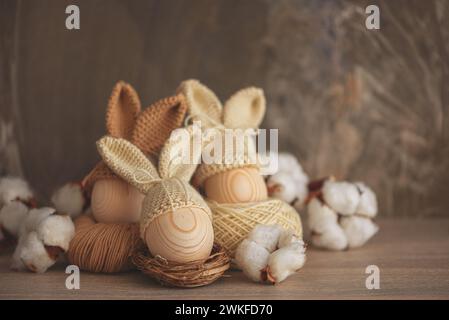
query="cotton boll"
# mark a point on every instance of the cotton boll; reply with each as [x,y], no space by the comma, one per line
[12,188]
[288,237]
[34,254]
[368,201]
[289,181]
[56,231]
[69,199]
[266,236]
[285,261]
[282,186]
[332,237]
[289,163]
[43,237]
[269,163]
[343,197]
[321,217]
[301,195]
[358,230]
[17,263]
[12,215]
[252,259]
[34,218]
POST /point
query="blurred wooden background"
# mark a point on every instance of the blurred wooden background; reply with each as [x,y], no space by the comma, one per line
[361,104]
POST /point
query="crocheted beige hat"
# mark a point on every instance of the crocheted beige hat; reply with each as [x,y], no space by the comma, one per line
[243,110]
[148,130]
[166,189]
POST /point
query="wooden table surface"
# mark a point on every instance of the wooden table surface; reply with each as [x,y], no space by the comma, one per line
[413,257]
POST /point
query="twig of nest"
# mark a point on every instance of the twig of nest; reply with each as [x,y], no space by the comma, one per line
[186,275]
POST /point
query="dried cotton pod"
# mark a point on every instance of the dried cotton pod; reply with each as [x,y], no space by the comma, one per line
[44,235]
[12,188]
[288,237]
[358,230]
[290,181]
[69,199]
[332,237]
[368,201]
[285,254]
[34,218]
[56,231]
[320,216]
[252,258]
[342,196]
[282,186]
[285,261]
[31,254]
[340,214]
[12,216]
[266,236]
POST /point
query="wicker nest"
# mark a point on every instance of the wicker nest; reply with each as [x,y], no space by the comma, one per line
[186,275]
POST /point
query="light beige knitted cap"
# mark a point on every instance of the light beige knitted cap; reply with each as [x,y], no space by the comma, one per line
[243,110]
[166,189]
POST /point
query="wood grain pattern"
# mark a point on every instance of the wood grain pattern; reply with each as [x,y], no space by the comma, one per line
[412,255]
[183,235]
[115,201]
[236,186]
[360,104]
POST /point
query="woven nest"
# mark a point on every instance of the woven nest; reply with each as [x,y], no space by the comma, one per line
[185,275]
[233,222]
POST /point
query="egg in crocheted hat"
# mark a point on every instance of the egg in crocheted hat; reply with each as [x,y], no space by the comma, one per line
[235,177]
[112,199]
[175,221]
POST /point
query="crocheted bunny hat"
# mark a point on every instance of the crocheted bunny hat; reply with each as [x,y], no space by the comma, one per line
[243,110]
[148,130]
[166,189]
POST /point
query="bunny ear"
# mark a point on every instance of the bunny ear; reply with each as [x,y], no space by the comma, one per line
[154,125]
[245,109]
[180,155]
[202,103]
[128,162]
[122,111]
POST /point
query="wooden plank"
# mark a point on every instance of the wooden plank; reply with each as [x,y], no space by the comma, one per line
[413,257]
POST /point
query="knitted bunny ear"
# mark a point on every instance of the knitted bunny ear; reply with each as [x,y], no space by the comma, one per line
[202,103]
[154,125]
[180,155]
[128,162]
[245,109]
[122,111]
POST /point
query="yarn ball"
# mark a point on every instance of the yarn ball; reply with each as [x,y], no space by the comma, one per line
[104,247]
[233,222]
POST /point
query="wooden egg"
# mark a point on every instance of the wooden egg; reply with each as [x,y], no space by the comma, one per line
[181,236]
[115,201]
[236,186]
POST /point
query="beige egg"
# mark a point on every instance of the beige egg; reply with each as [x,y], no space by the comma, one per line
[236,186]
[115,201]
[181,236]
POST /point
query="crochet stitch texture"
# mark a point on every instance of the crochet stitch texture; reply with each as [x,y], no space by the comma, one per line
[148,129]
[243,110]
